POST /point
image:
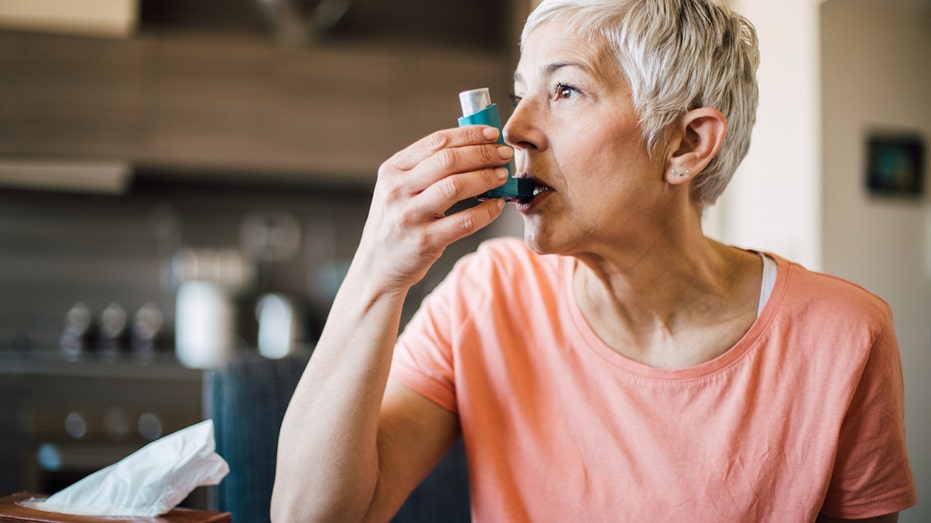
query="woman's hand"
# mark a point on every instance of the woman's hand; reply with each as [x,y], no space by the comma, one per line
[407,228]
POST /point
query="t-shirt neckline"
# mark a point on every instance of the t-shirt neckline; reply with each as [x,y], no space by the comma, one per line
[745,344]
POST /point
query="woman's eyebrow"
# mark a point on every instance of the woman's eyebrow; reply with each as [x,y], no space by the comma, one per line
[553,67]
[549,69]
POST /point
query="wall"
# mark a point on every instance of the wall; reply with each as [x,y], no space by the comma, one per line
[772,201]
[875,77]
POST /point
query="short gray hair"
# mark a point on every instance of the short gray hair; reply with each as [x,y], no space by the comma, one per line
[677,55]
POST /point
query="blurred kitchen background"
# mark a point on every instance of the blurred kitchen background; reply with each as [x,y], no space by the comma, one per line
[218,156]
[184,181]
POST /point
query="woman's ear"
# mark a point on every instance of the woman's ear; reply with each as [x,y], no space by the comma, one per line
[694,142]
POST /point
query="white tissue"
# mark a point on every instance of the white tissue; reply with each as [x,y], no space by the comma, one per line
[147,483]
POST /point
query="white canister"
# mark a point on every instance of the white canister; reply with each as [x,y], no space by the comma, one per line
[279,326]
[204,325]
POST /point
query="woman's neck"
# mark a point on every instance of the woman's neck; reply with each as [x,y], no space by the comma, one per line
[671,305]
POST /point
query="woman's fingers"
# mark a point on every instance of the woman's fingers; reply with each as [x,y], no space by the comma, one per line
[456,173]
[406,249]
[445,192]
[444,168]
[408,226]
[467,222]
[427,146]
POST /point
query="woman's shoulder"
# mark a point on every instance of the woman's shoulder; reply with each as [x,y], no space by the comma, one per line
[504,265]
[815,292]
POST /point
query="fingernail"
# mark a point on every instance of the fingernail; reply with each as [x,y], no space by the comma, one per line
[505,152]
[501,173]
[490,132]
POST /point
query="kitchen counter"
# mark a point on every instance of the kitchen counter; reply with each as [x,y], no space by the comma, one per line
[155,366]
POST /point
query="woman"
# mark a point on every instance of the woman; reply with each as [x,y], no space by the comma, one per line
[617,364]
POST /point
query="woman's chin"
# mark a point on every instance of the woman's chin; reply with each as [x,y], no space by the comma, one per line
[537,241]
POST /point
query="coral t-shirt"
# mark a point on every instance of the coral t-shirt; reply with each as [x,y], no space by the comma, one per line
[803,415]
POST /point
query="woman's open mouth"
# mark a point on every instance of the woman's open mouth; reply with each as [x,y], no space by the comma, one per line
[538,188]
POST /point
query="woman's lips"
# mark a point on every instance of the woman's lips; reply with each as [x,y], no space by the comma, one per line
[538,189]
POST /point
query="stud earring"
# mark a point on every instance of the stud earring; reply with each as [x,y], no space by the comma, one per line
[682,174]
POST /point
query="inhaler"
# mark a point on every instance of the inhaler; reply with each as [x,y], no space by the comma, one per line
[477,109]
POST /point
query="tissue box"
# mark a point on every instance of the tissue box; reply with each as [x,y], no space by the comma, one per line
[10,512]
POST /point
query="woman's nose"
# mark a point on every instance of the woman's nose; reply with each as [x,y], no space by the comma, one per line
[521,130]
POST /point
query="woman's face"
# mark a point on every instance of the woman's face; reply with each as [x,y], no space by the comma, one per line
[576,134]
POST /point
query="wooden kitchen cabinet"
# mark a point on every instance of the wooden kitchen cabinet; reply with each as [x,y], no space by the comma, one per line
[70,97]
[227,105]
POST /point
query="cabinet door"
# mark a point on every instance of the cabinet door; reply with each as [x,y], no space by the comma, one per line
[232,105]
[65,96]
[253,107]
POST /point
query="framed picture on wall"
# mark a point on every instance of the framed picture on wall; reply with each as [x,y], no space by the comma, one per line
[895,165]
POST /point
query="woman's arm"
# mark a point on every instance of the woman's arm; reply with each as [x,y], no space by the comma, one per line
[345,454]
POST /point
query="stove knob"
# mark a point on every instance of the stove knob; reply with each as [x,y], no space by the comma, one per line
[77,327]
[112,327]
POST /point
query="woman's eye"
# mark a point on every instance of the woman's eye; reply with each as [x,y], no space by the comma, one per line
[565,91]
[515,99]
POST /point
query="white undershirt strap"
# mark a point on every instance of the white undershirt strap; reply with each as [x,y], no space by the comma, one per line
[769,281]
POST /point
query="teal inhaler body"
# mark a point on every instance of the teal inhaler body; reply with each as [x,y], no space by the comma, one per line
[477,109]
